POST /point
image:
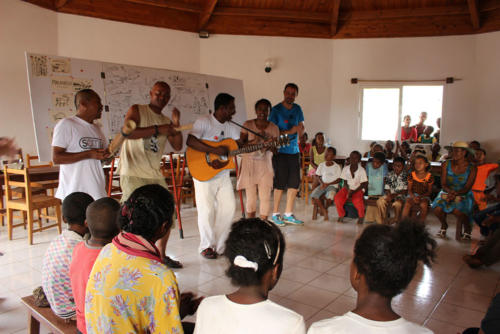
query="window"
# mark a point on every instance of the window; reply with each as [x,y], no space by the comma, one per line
[383,108]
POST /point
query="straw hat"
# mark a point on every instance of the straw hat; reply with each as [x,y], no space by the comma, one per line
[460,144]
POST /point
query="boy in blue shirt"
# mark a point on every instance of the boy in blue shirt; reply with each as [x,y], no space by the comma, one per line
[289,118]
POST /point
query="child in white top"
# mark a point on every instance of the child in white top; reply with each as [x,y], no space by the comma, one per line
[378,276]
[328,177]
[255,250]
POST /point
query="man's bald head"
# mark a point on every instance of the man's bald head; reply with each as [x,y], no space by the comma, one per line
[161,84]
[102,218]
[84,95]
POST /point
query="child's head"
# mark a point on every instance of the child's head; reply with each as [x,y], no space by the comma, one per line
[148,212]
[74,207]
[407,120]
[398,165]
[428,130]
[373,143]
[420,163]
[480,155]
[405,146]
[387,257]
[377,148]
[262,108]
[102,218]
[255,250]
[423,116]
[354,158]
[378,160]
[389,145]
[475,145]
[303,138]
[319,139]
[330,154]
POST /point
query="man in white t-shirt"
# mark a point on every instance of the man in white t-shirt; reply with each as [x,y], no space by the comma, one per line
[214,198]
[78,146]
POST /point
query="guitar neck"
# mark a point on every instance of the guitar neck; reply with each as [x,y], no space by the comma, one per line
[250,148]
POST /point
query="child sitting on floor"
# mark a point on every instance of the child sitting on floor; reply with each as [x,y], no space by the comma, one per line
[55,265]
[420,183]
[101,221]
[385,261]
[483,171]
[396,187]
[355,183]
[426,137]
[255,250]
[327,176]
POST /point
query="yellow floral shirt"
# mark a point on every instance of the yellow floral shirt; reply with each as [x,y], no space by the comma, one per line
[131,294]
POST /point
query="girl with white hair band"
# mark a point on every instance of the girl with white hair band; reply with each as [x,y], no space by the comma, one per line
[255,250]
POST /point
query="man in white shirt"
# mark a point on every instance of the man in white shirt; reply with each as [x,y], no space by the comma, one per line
[79,146]
[215,197]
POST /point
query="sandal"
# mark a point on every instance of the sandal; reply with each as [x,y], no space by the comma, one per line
[441,234]
[466,237]
[171,263]
[209,253]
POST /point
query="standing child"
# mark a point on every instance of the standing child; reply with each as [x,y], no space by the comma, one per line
[385,261]
[420,183]
[327,176]
[101,221]
[255,250]
[426,137]
[55,265]
[396,187]
[483,171]
[354,187]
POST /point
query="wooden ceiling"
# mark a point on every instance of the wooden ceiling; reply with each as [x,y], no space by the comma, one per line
[297,18]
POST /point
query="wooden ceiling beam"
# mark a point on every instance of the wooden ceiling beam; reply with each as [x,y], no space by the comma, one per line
[60,3]
[294,15]
[171,4]
[474,13]
[207,13]
[406,12]
[335,17]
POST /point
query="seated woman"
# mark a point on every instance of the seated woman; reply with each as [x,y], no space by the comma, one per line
[457,177]
[129,289]
[256,173]
[255,250]
[420,182]
[385,261]
[408,133]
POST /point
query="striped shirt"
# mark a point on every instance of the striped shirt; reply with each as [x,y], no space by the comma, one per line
[56,282]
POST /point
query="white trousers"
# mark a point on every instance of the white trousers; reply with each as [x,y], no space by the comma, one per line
[216,205]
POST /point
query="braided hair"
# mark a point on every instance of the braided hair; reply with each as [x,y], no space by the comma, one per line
[260,243]
[146,210]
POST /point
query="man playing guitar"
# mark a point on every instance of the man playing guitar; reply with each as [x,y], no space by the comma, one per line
[215,197]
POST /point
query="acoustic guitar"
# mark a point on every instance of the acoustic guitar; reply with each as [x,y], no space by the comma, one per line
[199,163]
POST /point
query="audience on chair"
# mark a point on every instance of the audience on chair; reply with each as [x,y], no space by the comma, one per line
[101,221]
[304,146]
[483,172]
[396,188]
[255,250]
[57,259]
[389,149]
[420,182]
[385,261]
[317,155]
[488,219]
[327,176]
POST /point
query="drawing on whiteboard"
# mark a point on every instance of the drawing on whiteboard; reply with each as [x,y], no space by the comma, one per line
[128,85]
[62,101]
[61,83]
[60,65]
[39,66]
[57,115]
[79,84]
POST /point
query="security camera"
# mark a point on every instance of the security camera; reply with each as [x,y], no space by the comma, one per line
[269,66]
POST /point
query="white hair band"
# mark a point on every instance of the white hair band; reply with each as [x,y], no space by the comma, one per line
[242,262]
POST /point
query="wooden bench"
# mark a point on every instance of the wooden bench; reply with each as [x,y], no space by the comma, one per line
[45,316]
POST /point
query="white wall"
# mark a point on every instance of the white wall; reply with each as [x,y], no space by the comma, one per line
[23,27]
[322,69]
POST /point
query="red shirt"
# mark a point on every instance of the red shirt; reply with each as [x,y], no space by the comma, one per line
[82,262]
[411,135]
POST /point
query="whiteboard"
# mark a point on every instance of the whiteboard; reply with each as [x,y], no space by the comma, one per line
[53,81]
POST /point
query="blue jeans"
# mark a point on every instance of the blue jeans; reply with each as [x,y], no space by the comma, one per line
[483,214]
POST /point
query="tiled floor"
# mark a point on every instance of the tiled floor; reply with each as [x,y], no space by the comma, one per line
[315,281]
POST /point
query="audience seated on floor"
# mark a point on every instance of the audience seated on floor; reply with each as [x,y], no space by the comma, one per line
[102,225]
[355,184]
[255,250]
[328,178]
[396,188]
[378,276]
[420,182]
[57,260]
[130,290]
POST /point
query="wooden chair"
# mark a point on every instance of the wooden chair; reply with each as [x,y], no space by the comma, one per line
[49,185]
[113,182]
[187,185]
[305,180]
[29,203]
